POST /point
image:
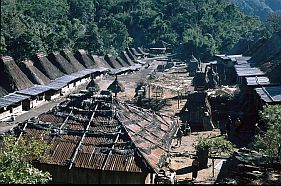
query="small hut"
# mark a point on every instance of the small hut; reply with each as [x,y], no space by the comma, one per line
[43,64]
[33,73]
[12,78]
[93,86]
[70,57]
[61,63]
[116,87]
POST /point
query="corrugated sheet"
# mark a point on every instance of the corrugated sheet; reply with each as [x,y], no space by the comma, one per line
[270,94]
[253,81]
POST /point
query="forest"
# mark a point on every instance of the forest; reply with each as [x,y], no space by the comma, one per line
[200,27]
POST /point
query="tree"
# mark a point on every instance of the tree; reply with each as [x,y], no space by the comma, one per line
[15,161]
[269,142]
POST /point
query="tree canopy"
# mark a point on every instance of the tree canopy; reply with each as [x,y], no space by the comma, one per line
[15,165]
[109,26]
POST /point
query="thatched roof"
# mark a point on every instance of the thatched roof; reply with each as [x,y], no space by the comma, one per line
[116,86]
[93,85]
[61,63]
[132,57]
[44,65]
[140,50]
[70,57]
[12,78]
[272,70]
[100,62]
[121,62]
[111,61]
[33,73]
[126,58]
[135,52]
[84,59]
[3,92]
[269,50]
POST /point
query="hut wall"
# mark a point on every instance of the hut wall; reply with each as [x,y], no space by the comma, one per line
[37,101]
[61,174]
[4,113]
[52,95]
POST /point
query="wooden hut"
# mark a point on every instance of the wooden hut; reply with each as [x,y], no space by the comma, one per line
[112,61]
[197,111]
[33,73]
[12,78]
[12,105]
[84,59]
[71,59]
[61,63]
[38,96]
[44,65]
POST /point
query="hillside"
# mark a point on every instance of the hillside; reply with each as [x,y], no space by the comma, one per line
[104,27]
[259,8]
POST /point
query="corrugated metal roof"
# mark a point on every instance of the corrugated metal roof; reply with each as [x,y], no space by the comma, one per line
[12,99]
[248,71]
[270,94]
[135,140]
[34,91]
[253,81]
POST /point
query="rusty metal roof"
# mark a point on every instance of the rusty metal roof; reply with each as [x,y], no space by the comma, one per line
[104,135]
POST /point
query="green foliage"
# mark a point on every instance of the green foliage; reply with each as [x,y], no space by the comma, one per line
[269,143]
[215,145]
[109,26]
[14,165]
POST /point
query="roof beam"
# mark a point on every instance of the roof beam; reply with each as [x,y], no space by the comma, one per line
[81,140]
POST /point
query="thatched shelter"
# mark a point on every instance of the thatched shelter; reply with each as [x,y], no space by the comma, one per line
[67,54]
[131,55]
[12,78]
[61,63]
[126,58]
[116,87]
[33,73]
[84,59]
[93,86]
[121,61]
[44,65]
[99,61]
[111,61]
